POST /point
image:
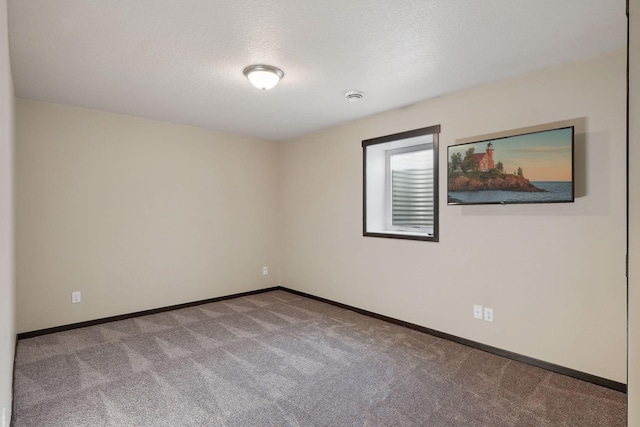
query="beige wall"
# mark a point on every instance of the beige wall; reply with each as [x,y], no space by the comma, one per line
[553,273]
[634,215]
[7,285]
[136,214]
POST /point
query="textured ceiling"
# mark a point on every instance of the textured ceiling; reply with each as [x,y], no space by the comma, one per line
[182,61]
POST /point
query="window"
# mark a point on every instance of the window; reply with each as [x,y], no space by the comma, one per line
[401,185]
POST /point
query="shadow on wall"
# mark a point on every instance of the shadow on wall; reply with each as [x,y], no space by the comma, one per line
[592,193]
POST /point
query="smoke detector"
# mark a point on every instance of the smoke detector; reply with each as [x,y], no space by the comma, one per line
[354,95]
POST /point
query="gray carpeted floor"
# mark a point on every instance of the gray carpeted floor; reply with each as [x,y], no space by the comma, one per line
[277,359]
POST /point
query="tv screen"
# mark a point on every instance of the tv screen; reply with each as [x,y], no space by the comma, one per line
[535,167]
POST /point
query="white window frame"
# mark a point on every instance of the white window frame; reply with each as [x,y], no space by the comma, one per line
[377,202]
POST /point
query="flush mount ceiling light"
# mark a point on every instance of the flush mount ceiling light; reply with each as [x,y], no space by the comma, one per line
[263,76]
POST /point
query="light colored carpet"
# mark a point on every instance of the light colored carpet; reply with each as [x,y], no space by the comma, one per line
[278,359]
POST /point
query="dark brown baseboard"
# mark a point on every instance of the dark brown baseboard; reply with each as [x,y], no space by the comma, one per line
[604,382]
[62,328]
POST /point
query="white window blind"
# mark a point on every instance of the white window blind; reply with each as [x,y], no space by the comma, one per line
[412,203]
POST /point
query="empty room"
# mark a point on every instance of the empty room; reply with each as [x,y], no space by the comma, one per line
[359,213]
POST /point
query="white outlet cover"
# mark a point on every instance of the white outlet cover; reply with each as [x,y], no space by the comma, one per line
[477,311]
[76,297]
[265,270]
[488,314]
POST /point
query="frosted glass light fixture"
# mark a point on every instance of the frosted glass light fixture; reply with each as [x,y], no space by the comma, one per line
[263,76]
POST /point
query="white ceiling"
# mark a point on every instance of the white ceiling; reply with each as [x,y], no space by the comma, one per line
[182,61]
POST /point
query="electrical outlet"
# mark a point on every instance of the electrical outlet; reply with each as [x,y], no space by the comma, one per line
[488,314]
[477,311]
[265,271]
[76,297]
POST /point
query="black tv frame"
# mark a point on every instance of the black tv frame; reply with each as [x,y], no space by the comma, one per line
[453,201]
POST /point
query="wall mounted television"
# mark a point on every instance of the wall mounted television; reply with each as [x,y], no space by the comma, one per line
[532,167]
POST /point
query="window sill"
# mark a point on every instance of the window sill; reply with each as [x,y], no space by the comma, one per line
[409,235]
